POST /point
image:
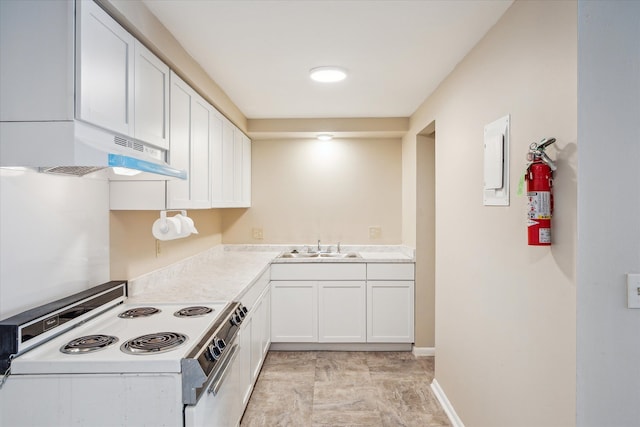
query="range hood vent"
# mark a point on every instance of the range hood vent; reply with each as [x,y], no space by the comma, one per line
[78,148]
[72,170]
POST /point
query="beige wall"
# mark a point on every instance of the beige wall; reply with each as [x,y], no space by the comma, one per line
[505,312]
[134,250]
[304,190]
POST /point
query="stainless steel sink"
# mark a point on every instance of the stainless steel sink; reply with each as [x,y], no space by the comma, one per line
[311,255]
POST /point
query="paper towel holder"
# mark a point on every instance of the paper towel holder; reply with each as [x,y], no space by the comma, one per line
[186,229]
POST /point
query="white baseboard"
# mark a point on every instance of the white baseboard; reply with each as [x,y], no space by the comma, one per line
[446,405]
[310,346]
[424,351]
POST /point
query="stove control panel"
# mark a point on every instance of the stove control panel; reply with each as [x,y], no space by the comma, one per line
[208,357]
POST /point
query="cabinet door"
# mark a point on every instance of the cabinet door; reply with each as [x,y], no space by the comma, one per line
[180,112]
[238,159]
[341,311]
[216,161]
[190,133]
[390,311]
[294,311]
[245,202]
[151,98]
[199,178]
[227,162]
[36,58]
[105,72]
[257,332]
[266,325]
[245,339]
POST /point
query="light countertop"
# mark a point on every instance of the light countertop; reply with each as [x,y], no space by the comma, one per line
[224,272]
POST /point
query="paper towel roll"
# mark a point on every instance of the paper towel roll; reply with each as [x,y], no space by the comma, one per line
[167,229]
[187,224]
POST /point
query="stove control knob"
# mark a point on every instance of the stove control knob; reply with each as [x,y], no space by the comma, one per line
[241,312]
[235,320]
[244,309]
[213,353]
[219,342]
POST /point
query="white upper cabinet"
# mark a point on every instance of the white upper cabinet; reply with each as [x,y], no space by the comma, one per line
[191,125]
[36,58]
[120,84]
[231,167]
[105,70]
[245,200]
[151,98]
[215,159]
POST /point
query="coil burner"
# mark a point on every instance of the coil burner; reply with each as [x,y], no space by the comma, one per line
[138,312]
[88,344]
[158,342]
[194,311]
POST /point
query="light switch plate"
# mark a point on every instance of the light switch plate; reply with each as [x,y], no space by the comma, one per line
[633,290]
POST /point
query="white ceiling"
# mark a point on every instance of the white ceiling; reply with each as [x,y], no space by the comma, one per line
[260,51]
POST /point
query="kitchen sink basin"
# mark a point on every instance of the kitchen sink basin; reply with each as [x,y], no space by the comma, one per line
[312,255]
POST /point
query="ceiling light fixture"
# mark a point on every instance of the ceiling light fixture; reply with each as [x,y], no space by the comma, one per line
[324,137]
[328,74]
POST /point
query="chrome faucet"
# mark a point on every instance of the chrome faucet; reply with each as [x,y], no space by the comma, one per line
[318,245]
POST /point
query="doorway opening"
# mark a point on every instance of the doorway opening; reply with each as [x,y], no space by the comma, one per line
[425,239]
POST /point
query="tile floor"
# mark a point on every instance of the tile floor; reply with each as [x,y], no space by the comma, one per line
[326,388]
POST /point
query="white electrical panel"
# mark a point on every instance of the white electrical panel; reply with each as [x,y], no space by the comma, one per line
[496,163]
[633,290]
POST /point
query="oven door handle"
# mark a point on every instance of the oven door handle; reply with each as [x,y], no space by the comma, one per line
[225,369]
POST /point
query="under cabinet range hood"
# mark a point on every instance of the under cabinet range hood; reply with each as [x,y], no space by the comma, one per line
[77,148]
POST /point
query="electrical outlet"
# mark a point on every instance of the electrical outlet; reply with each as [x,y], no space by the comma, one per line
[633,290]
[375,232]
[257,234]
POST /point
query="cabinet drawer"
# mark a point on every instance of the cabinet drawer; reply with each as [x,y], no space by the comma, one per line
[390,271]
[319,271]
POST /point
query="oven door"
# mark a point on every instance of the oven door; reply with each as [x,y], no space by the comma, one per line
[221,404]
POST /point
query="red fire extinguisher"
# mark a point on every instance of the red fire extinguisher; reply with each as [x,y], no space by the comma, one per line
[539,177]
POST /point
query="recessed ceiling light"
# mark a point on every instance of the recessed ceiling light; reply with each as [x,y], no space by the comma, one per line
[328,74]
[324,137]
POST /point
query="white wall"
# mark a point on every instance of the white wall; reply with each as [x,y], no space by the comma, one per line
[54,237]
[608,334]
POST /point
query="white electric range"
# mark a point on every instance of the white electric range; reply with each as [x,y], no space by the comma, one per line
[94,359]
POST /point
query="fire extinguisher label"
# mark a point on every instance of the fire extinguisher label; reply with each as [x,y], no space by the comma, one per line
[539,204]
[544,235]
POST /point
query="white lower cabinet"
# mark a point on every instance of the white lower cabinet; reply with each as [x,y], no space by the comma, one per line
[390,314]
[294,311]
[254,339]
[246,383]
[260,334]
[390,302]
[342,303]
[342,311]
